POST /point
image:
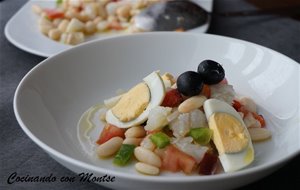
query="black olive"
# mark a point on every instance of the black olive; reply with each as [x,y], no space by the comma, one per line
[211,72]
[189,83]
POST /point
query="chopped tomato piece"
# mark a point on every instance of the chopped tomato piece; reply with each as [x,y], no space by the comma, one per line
[243,110]
[170,161]
[237,105]
[206,91]
[187,163]
[259,118]
[109,132]
[175,160]
[208,164]
[53,14]
[172,99]
[240,108]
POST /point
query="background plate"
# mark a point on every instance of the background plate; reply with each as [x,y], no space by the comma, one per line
[22,30]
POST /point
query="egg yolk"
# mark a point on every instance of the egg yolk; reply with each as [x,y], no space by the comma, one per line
[229,134]
[133,103]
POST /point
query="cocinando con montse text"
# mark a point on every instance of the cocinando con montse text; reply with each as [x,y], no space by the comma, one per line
[81,177]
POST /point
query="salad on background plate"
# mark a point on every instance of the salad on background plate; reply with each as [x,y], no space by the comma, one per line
[46,28]
[73,20]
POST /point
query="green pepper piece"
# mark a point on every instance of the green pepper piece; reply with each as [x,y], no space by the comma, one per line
[201,135]
[124,154]
[58,2]
[160,139]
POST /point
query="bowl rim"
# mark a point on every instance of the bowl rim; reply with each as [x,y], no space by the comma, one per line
[124,175]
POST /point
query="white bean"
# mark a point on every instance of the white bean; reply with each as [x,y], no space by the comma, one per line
[57,21]
[54,34]
[136,132]
[169,77]
[44,21]
[90,27]
[72,38]
[102,11]
[75,25]
[134,12]
[147,143]
[45,29]
[112,7]
[63,37]
[139,4]
[146,156]
[104,2]
[63,25]
[102,25]
[123,12]
[75,3]
[251,122]
[83,16]
[191,103]
[110,147]
[134,29]
[70,14]
[146,169]
[134,141]
[249,104]
[43,15]
[91,10]
[259,134]
[97,20]
[111,19]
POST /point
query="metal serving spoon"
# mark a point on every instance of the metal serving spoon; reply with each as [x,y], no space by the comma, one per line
[171,15]
[186,15]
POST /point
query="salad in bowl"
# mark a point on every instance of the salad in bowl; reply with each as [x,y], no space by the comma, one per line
[194,123]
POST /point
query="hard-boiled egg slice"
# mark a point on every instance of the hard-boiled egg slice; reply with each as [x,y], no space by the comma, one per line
[156,88]
[230,135]
[111,102]
[133,103]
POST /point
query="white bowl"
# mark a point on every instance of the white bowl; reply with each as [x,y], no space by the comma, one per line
[51,98]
